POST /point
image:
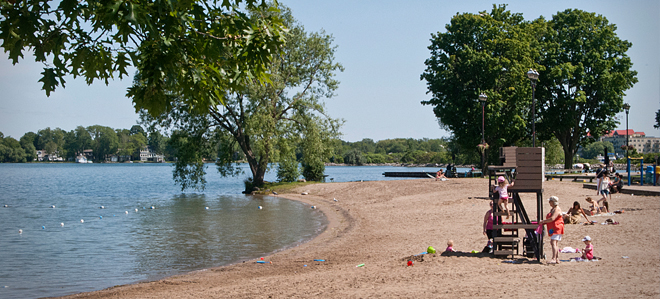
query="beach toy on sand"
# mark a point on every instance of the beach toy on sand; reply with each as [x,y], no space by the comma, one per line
[430,250]
[410,263]
[264,262]
[317,260]
[360,265]
[260,207]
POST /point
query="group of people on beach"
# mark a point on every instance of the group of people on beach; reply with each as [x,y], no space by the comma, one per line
[554,220]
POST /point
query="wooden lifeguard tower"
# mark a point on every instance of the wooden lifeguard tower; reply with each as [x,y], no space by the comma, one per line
[525,166]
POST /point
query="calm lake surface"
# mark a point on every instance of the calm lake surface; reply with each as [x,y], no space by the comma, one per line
[113,247]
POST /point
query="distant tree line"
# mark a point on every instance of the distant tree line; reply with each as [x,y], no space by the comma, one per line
[103,141]
[106,141]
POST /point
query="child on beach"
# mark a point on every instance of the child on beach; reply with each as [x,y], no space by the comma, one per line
[502,187]
[595,209]
[450,246]
[588,252]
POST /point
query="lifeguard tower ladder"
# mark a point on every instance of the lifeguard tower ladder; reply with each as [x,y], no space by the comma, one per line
[525,166]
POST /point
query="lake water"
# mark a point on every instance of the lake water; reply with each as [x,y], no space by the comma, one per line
[113,247]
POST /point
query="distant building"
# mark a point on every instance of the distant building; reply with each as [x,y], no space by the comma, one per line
[42,155]
[146,154]
[642,143]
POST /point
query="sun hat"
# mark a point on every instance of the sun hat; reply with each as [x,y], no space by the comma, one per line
[500,179]
[587,238]
[553,198]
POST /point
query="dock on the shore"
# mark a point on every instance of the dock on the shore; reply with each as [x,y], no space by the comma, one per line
[425,174]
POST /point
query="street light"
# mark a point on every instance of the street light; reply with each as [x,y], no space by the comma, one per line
[482,99]
[533,75]
[626,106]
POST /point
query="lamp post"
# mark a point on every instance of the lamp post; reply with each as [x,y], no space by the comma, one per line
[482,99]
[533,75]
[626,107]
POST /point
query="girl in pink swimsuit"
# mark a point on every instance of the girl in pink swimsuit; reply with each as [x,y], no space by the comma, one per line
[502,189]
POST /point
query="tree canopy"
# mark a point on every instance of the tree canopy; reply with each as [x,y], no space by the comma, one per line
[485,53]
[584,71]
[197,50]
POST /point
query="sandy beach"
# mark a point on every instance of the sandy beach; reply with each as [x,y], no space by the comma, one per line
[382,223]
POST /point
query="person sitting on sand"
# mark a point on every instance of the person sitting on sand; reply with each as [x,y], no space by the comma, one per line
[450,246]
[588,252]
[440,175]
[616,184]
[595,208]
[502,188]
[574,214]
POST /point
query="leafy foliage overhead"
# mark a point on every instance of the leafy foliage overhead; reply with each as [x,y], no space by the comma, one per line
[193,49]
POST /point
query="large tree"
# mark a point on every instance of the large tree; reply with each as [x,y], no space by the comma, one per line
[197,50]
[581,87]
[485,53]
[584,73]
[265,120]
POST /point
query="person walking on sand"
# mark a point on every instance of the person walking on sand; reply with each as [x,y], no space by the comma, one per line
[600,173]
[555,223]
[605,190]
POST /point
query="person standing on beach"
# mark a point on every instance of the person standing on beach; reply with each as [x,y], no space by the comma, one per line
[488,226]
[555,223]
[599,178]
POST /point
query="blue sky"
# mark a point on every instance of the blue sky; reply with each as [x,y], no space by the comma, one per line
[381,44]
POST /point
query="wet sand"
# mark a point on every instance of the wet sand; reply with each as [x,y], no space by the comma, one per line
[381,224]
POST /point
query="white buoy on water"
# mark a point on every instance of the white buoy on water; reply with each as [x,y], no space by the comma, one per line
[152,207]
[101,207]
[52,207]
[20,231]
[82,221]
[62,224]
[126,212]
[6,206]
[136,210]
